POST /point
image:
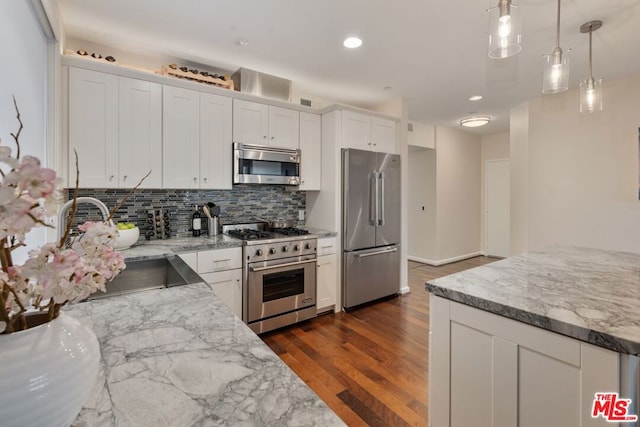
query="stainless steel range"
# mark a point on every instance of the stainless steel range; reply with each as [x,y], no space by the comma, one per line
[279,275]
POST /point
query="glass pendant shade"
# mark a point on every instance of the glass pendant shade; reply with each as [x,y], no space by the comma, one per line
[555,77]
[590,95]
[505,38]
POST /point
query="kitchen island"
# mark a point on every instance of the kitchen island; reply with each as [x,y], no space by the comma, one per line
[179,357]
[530,339]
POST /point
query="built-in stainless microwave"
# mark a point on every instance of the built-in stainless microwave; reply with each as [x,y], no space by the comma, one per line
[256,164]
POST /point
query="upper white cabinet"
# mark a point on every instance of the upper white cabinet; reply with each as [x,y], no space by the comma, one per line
[115,126]
[196,139]
[310,145]
[261,124]
[367,132]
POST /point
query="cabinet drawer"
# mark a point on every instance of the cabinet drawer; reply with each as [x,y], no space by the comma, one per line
[327,246]
[219,260]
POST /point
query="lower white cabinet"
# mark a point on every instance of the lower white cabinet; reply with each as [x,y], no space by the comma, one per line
[222,270]
[327,275]
[486,370]
[227,285]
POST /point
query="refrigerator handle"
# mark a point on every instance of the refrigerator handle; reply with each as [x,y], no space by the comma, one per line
[381,197]
[373,199]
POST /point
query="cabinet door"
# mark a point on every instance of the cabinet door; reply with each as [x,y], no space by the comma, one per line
[284,125]
[140,133]
[180,138]
[383,135]
[311,162]
[250,122]
[327,281]
[215,142]
[356,130]
[227,285]
[93,128]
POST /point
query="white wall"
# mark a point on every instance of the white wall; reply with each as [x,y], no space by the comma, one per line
[579,183]
[493,147]
[458,191]
[24,75]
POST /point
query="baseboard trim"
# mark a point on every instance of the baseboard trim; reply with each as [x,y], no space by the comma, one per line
[445,261]
[405,290]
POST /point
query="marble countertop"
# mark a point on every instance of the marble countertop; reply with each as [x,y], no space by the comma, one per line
[151,249]
[589,294]
[179,357]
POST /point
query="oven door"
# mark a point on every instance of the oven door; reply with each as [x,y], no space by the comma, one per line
[281,286]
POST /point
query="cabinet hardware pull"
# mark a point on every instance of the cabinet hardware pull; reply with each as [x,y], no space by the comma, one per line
[222,260]
[326,247]
[387,251]
[124,178]
[289,264]
[110,177]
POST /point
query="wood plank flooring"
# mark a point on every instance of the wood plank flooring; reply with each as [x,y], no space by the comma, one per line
[370,365]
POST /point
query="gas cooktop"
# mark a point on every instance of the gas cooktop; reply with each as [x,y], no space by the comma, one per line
[254,233]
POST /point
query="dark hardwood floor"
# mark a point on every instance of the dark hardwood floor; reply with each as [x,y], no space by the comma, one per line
[370,365]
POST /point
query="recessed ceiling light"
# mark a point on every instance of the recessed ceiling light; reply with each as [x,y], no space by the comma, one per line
[474,122]
[387,88]
[241,42]
[352,42]
[475,98]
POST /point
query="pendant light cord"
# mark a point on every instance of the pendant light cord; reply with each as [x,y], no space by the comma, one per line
[558,27]
[590,57]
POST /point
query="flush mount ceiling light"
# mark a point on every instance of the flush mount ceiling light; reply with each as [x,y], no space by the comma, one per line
[590,88]
[505,38]
[475,98]
[555,78]
[475,121]
[352,42]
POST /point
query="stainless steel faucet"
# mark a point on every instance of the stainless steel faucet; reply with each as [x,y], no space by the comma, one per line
[92,201]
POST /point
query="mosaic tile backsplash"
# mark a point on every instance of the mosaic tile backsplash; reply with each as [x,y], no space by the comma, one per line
[244,203]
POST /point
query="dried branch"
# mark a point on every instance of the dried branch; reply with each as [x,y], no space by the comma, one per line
[74,205]
[126,197]
[16,136]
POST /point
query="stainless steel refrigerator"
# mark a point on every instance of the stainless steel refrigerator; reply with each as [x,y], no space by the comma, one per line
[371,226]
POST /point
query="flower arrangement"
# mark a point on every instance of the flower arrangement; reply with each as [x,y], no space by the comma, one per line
[56,273]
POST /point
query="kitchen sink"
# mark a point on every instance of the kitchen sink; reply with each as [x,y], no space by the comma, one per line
[149,274]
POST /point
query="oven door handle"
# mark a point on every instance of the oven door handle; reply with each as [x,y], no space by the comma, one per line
[288,264]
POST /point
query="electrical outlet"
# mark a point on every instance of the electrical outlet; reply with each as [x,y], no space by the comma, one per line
[301,215]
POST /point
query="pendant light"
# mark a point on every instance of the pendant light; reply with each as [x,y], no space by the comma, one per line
[590,88]
[505,38]
[556,66]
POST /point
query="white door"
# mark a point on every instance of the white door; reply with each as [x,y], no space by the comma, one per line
[310,140]
[215,142]
[140,133]
[180,138]
[497,210]
[284,125]
[93,128]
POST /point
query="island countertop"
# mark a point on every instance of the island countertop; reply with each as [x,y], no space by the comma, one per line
[589,294]
[179,357]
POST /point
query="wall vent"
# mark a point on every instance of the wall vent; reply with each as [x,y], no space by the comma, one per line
[410,127]
[305,102]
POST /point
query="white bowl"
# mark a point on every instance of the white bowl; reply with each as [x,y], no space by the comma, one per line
[127,238]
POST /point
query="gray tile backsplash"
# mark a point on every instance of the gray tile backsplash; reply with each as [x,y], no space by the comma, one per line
[241,204]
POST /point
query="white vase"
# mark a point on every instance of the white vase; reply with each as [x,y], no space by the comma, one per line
[46,373]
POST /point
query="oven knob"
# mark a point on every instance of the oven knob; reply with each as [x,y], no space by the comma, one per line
[296,248]
[307,246]
[285,249]
[258,252]
[272,251]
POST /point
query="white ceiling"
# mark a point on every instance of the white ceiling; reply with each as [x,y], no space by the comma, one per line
[433,53]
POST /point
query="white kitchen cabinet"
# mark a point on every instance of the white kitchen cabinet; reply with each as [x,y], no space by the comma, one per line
[487,370]
[227,285]
[366,132]
[222,270]
[261,124]
[215,142]
[191,258]
[196,139]
[327,274]
[115,126]
[310,146]
[140,133]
